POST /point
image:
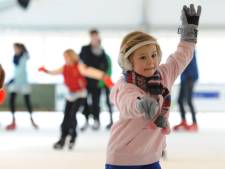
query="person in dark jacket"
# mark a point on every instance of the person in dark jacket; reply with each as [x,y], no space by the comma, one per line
[93,55]
[188,80]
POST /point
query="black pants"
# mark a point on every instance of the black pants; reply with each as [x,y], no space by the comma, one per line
[69,124]
[12,104]
[108,103]
[94,107]
[185,97]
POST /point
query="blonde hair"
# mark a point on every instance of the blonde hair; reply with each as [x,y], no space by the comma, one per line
[72,54]
[134,38]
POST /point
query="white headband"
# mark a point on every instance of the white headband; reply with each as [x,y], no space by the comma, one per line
[131,50]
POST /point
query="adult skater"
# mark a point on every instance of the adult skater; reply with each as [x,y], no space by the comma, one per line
[93,55]
[188,81]
[19,84]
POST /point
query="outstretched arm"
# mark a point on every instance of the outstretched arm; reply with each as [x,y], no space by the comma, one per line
[90,71]
[178,61]
[51,72]
[95,74]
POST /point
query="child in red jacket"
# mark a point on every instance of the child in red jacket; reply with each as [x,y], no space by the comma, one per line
[73,73]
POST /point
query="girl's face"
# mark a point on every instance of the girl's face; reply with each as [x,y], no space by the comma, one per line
[68,59]
[145,60]
[17,50]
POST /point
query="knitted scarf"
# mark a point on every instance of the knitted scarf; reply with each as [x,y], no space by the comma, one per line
[151,85]
[16,58]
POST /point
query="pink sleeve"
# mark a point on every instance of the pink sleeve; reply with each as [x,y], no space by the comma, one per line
[176,63]
[125,99]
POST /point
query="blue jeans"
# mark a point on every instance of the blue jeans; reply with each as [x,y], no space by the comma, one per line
[155,165]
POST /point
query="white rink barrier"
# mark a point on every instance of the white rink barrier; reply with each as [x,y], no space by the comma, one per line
[207,98]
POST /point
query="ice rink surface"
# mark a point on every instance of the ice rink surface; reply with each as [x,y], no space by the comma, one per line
[27,148]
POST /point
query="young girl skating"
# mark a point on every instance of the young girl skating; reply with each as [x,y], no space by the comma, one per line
[142,95]
[73,73]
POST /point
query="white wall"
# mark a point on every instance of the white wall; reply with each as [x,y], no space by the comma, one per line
[207,98]
[110,14]
[47,48]
[164,13]
[74,13]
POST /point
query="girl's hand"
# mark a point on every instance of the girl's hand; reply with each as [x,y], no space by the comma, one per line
[190,20]
[42,69]
[108,81]
[161,121]
[148,106]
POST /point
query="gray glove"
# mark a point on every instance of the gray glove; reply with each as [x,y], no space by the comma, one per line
[161,122]
[190,21]
[149,106]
